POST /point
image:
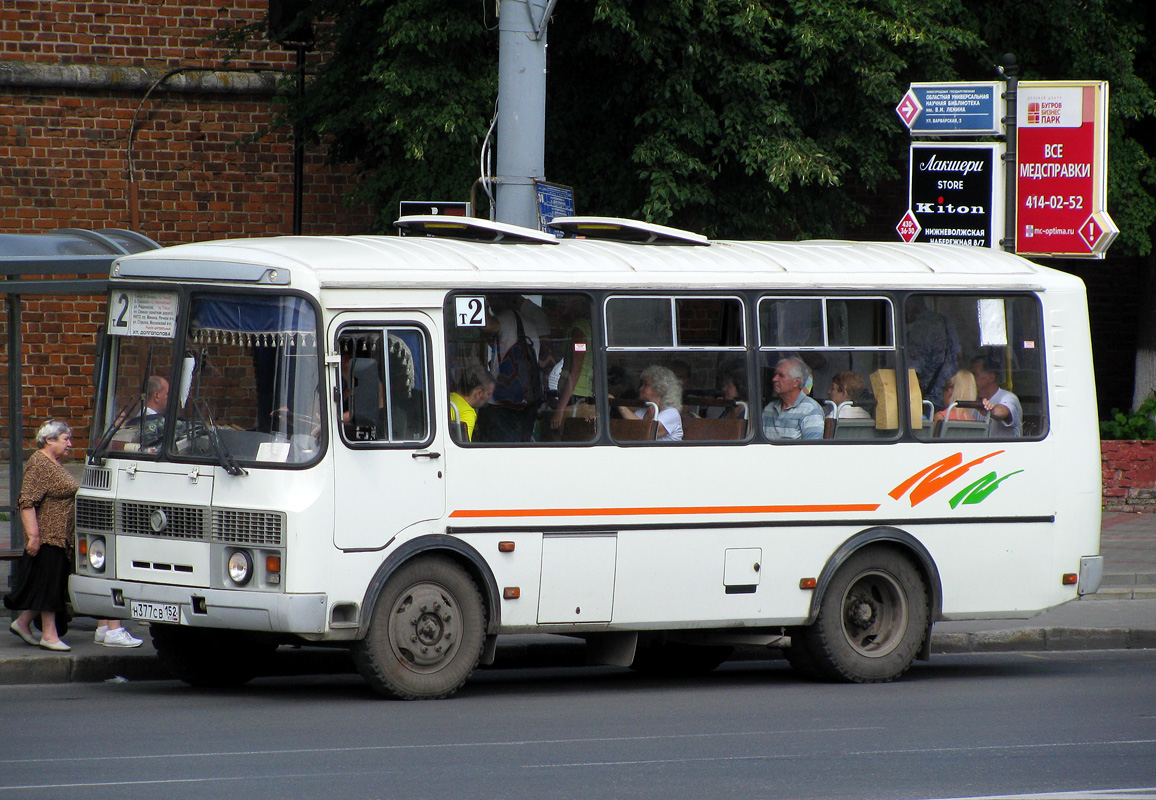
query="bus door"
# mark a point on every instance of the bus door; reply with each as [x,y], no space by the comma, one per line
[388,462]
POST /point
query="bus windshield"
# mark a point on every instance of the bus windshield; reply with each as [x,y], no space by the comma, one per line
[244,386]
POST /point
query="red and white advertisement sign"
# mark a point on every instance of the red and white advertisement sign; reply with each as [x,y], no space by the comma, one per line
[908,227]
[1062,169]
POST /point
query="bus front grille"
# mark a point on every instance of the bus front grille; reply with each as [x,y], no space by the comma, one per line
[96,478]
[94,515]
[248,527]
[154,519]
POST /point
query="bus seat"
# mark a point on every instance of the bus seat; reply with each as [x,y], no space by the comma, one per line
[855,429]
[633,430]
[829,427]
[700,429]
[963,429]
[580,429]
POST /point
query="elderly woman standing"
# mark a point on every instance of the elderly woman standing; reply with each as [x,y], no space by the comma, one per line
[46,500]
[40,584]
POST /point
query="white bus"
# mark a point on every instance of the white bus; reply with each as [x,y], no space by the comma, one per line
[290,455]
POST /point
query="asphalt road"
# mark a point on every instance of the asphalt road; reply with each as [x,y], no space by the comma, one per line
[962,726]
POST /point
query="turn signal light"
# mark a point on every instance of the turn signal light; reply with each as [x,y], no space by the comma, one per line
[1070,579]
[511,593]
[505,547]
[82,546]
[273,570]
[808,583]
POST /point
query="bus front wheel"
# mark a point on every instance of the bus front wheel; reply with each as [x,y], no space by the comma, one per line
[871,622]
[426,632]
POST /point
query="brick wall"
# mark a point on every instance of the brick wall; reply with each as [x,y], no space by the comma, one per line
[74,95]
[1129,475]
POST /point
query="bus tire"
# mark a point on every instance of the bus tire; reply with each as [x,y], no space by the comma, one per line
[210,659]
[426,633]
[871,622]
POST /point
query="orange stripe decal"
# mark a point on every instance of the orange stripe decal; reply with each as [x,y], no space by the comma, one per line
[479,513]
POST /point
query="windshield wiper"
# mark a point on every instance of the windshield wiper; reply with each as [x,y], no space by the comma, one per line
[96,454]
[224,457]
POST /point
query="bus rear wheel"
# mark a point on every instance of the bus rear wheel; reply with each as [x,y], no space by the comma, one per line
[426,632]
[871,623]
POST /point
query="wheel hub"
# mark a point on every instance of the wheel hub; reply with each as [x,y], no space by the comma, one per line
[424,628]
[874,614]
[861,612]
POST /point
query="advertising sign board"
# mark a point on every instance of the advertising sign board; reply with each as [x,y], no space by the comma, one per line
[935,109]
[1062,169]
[955,194]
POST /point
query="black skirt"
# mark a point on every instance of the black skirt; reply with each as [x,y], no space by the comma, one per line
[40,582]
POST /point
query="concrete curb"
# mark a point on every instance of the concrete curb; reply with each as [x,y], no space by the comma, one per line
[145,666]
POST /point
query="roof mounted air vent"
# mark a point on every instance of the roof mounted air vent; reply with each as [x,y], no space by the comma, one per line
[625,230]
[473,229]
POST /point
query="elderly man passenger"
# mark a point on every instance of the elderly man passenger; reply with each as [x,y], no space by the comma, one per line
[792,414]
[1007,415]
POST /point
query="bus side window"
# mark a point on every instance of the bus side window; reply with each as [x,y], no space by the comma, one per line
[979,364]
[842,350]
[682,357]
[383,385]
[520,368]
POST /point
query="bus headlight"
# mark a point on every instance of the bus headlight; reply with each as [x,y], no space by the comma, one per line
[96,553]
[240,567]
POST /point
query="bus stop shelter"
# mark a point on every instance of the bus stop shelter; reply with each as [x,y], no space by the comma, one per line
[57,264]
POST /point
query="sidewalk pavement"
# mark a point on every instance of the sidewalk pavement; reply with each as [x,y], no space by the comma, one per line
[1121,615]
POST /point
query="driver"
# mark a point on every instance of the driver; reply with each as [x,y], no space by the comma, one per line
[151,421]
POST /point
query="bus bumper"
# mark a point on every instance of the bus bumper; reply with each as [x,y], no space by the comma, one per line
[202,608]
[1091,573]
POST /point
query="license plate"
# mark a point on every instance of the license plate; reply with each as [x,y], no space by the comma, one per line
[155,612]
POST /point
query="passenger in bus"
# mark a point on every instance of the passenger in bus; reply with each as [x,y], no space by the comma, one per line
[933,349]
[848,387]
[520,387]
[475,386]
[659,386]
[1007,415]
[734,390]
[792,414]
[576,384]
[960,387]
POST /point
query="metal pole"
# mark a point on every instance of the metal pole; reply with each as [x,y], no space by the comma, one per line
[521,110]
[15,418]
[1009,71]
[298,147]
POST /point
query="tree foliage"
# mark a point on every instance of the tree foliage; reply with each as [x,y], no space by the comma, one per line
[737,118]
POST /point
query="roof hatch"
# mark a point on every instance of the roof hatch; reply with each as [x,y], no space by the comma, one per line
[625,230]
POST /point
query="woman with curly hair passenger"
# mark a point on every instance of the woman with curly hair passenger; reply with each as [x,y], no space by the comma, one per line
[661,387]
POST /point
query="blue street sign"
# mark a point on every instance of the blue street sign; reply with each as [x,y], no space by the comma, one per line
[934,109]
[554,200]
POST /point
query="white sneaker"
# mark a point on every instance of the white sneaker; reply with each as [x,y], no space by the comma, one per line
[120,637]
[101,630]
